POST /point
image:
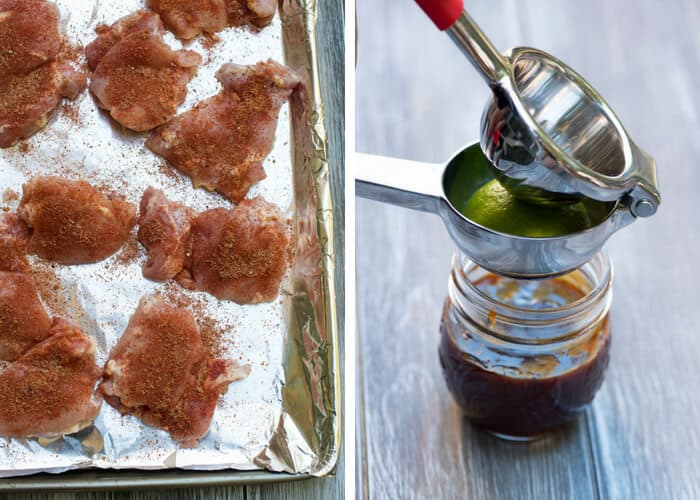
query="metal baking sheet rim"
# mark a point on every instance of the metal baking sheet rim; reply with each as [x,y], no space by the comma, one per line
[299,19]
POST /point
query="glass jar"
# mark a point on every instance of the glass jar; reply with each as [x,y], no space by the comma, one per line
[522,357]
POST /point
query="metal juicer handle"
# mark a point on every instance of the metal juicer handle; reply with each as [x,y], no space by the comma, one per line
[406,183]
[450,15]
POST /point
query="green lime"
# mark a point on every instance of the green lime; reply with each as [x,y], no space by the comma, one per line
[493,206]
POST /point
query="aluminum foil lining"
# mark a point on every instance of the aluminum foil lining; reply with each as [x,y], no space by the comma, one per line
[283,417]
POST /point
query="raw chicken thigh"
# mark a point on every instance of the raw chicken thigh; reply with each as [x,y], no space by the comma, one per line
[29,35]
[161,372]
[256,12]
[138,78]
[222,142]
[143,21]
[23,319]
[27,101]
[47,367]
[35,70]
[71,222]
[188,18]
[49,391]
[14,238]
[164,229]
[240,254]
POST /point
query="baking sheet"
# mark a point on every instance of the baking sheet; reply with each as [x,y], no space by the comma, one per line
[284,416]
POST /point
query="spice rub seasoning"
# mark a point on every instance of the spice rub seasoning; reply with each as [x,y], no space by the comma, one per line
[72,222]
[137,77]
[221,143]
[49,390]
[161,372]
[37,68]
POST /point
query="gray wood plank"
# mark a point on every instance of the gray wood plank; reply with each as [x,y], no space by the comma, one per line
[417,99]
[233,493]
[325,488]
[644,60]
[361,461]
[331,48]
[647,416]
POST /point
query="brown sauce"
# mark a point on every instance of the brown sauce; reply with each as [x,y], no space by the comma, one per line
[522,396]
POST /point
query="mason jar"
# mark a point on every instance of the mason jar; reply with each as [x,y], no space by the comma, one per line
[522,357]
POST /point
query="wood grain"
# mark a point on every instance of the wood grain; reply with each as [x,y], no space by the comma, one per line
[234,493]
[418,98]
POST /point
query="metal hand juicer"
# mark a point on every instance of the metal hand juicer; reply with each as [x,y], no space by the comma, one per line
[548,137]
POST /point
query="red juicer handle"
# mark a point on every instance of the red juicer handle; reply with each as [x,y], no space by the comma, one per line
[444,13]
[450,16]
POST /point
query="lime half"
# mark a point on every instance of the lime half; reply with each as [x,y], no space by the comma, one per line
[494,207]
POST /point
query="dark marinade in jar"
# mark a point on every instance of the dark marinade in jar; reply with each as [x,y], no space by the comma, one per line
[543,393]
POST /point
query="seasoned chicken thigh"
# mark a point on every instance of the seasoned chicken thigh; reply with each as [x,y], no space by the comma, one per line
[35,70]
[28,100]
[257,12]
[72,222]
[14,238]
[161,372]
[23,319]
[50,390]
[188,18]
[222,142]
[29,35]
[164,229]
[240,254]
[142,21]
[140,80]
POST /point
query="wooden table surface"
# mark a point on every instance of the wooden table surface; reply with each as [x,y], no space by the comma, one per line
[331,61]
[418,98]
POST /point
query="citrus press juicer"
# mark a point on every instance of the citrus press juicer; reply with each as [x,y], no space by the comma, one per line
[546,135]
